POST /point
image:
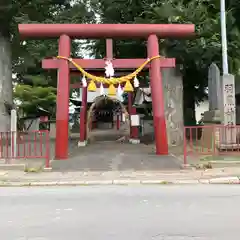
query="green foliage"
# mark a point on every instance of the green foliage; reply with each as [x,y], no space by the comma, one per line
[35,98]
[194,55]
[33,82]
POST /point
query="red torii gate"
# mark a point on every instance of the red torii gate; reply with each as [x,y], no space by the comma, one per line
[93,64]
[67,31]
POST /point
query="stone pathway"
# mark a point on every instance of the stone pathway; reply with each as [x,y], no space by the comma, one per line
[112,156]
[103,153]
[98,135]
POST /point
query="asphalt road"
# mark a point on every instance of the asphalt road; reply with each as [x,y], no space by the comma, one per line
[124,213]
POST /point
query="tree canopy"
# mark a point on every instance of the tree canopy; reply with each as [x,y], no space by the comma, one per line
[27,55]
[194,55]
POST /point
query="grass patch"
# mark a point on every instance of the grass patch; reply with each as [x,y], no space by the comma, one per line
[203,166]
[220,158]
[165,182]
[32,170]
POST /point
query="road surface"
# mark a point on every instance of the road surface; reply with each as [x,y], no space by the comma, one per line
[121,212]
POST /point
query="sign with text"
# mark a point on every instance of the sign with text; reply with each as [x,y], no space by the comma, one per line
[135,120]
[229,110]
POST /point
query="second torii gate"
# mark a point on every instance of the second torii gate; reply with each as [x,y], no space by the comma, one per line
[93,64]
[67,31]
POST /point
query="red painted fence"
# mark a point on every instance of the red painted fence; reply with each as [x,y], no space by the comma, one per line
[213,140]
[25,145]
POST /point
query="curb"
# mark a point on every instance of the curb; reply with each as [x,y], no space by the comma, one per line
[225,180]
[12,166]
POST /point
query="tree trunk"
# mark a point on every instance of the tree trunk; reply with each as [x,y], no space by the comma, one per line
[189,107]
[6,90]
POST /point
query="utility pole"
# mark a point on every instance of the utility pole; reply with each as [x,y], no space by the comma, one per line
[224,37]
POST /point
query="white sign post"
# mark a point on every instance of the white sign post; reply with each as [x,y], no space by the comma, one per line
[135,120]
[123,117]
[14,133]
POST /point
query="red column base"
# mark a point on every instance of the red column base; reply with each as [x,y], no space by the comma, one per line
[83,119]
[161,142]
[61,147]
[134,131]
[118,122]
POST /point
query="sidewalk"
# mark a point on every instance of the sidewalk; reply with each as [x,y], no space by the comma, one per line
[209,176]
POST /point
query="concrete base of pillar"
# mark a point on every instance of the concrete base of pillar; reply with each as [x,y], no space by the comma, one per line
[212,117]
[134,141]
[209,136]
[82,144]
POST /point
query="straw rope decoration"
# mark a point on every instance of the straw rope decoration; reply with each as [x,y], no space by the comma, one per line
[112,80]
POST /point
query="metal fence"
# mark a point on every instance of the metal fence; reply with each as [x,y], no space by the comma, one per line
[211,140]
[25,145]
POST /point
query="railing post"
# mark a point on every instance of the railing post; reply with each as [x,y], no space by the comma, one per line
[214,140]
[47,163]
[184,147]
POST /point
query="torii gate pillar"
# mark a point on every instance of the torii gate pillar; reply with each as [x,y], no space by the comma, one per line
[62,113]
[159,122]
